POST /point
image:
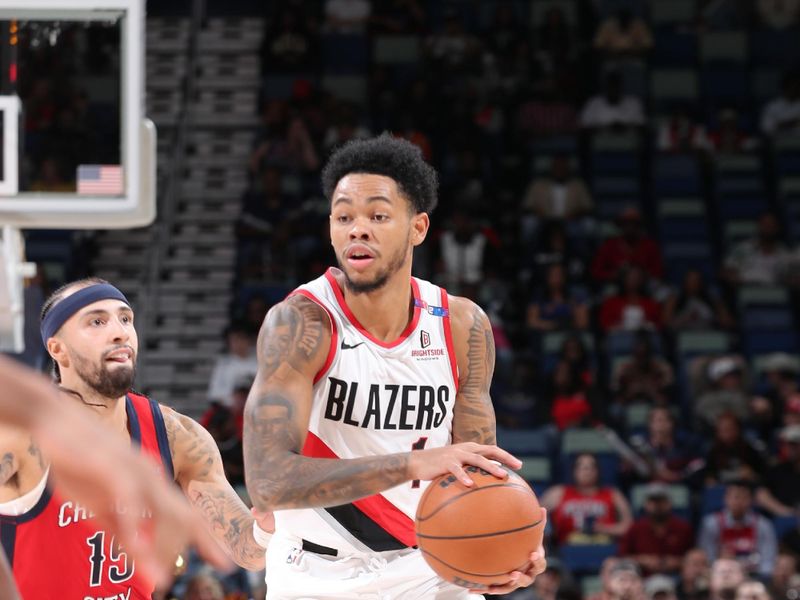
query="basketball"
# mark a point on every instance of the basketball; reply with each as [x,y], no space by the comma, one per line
[474,536]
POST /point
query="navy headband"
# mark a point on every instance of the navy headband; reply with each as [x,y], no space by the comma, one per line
[67,307]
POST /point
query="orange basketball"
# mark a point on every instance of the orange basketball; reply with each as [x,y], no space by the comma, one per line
[475,536]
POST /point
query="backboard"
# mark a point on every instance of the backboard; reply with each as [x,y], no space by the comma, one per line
[76,152]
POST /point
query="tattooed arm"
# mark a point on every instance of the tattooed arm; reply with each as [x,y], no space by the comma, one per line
[473,413]
[21,463]
[292,348]
[199,471]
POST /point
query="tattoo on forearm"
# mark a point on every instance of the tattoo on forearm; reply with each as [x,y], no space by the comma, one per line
[278,477]
[473,420]
[229,521]
[206,488]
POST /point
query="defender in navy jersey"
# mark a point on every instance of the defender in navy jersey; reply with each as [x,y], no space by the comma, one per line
[371,383]
[55,546]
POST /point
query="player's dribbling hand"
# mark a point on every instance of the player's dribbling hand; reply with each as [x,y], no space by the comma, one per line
[429,464]
[518,579]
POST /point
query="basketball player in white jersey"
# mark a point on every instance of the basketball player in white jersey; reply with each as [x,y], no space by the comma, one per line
[370,383]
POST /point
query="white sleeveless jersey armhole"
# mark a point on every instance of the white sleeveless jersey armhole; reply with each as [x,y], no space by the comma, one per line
[19,506]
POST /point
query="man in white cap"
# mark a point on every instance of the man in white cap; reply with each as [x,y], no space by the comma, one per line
[659,587]
[658,539]
[727,393]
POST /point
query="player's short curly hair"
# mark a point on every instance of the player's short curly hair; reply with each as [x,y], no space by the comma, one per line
[390,156]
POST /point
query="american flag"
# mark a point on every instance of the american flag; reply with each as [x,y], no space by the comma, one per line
[99,180]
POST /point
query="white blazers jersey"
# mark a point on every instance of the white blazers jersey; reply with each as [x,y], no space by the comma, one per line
[373,398]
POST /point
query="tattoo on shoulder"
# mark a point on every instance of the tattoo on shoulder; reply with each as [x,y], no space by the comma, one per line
[33,451]
[292,333]
[8,468]
[474,419]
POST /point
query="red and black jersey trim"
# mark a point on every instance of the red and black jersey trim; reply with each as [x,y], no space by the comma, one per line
[153,438]
[373,520]
[364,529]
[9,523]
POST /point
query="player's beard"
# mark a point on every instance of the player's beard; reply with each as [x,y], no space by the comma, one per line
[396,262]
[106,382]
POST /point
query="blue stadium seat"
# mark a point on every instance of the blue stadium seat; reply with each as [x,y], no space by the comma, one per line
[278,86]
[537,471]
[608,208]
[622,342]
[565,144]
[697,343]
[726,47]
[675,175]
[787,163]
[396,49]
[772,47]
[344,54]
[609,7]
[762,318]
[679,257]
[766,84]
[784,525]
[729,84]
[712,499]
[741,206]
[587,558]
[615,163]
[675,49]
[757,342]
[537,442]
[615,186]
[666,13]
[682,219]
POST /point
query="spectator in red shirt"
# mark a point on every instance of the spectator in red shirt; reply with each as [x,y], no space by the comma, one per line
[569,402]
[631,247]
[587,511]
[658,539]
[631,308]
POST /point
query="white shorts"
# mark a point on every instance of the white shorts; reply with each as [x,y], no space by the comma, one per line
[295,574]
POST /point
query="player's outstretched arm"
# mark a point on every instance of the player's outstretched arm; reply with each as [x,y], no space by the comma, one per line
[92,466]
[473,413]
[199,471]
[8,590]
[292,348]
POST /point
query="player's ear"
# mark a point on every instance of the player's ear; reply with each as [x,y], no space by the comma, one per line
[420,223]
[57,350]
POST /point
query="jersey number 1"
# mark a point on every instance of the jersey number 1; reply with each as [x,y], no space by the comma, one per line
[418,445]
[121,570]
